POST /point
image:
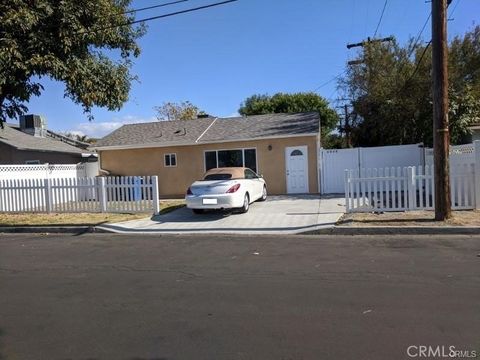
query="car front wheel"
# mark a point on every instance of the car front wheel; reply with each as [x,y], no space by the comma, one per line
[264,194]
[246,204]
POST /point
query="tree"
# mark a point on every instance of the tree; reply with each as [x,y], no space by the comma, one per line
[184,110]
[291,103]
[391,92]
[82,138]
[67,41]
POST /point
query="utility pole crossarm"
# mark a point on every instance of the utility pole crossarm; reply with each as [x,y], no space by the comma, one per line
[363,43]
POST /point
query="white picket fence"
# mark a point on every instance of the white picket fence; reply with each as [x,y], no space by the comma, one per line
[90,194]
[407,188]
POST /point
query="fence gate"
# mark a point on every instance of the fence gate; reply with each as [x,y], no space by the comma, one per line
[334,162]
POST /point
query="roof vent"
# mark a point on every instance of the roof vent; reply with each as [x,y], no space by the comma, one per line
[181,132]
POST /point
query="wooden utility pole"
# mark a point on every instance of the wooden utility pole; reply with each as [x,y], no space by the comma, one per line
[441,136]
[347,127]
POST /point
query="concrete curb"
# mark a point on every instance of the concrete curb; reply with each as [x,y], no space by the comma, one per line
[397,230]
[121,230]
[51,229]
[338,230]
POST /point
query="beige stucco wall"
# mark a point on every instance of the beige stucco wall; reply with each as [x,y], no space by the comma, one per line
[173,181]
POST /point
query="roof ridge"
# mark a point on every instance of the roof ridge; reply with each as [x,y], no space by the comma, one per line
[214,129]
[219,118]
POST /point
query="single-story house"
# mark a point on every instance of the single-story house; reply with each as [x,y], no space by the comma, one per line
[281,147]
[31,143]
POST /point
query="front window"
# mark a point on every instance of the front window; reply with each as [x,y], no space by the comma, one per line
[231,158]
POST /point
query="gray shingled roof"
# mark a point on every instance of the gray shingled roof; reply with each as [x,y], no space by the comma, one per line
[10,135]
[164,133]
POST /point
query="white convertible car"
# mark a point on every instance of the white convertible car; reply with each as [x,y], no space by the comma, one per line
[226,188]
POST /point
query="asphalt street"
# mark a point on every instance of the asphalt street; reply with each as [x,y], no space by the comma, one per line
[102,296]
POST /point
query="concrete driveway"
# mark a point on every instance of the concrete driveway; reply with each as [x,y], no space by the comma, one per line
[277,215]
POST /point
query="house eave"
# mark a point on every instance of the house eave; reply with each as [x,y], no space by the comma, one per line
[19,148]
[172,144]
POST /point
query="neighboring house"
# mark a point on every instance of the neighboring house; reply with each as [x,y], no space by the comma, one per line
[32,143]
[281,147]
[475,129]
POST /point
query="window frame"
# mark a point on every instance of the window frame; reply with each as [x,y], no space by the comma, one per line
[243,157]
[170,157]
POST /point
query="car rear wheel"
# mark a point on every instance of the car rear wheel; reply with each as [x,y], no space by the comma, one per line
[197,211]
[246,204]
[264,194]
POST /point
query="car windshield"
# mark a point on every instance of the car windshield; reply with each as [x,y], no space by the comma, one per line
[218,177]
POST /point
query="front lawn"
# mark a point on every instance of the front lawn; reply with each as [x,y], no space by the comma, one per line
[91,219]
[409,218]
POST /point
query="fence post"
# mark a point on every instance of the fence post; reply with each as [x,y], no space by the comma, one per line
[156,207]
[48,195]
[46,170]
[347,192]
[102,194]
[476,145]
[411,188]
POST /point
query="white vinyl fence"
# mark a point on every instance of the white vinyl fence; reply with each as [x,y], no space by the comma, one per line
[412,187]
[44,171]
[458,154]
[334,162]
[89,194]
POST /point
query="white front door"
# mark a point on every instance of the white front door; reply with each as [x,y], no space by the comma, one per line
[296,158]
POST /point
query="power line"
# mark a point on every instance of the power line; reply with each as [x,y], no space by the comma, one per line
[381,17]
[454,8]
[159,16]
[154,6]
[329,81]
[426,47]
[419,35]
[418,64]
